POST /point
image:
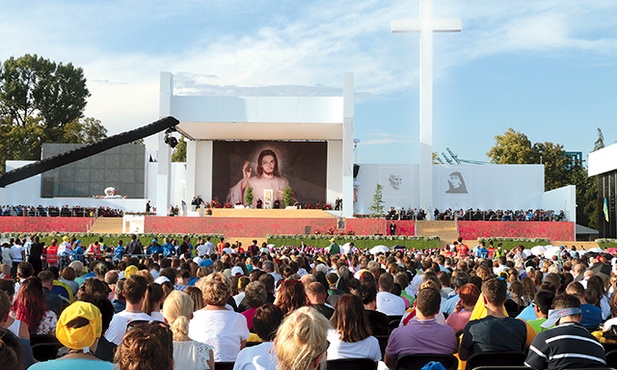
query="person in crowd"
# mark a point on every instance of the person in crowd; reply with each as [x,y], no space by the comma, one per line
[592,315]
[350,336]
[266,320]
[542,303]
[11,351]
[197,296]
[422,334]
[6,321]
[188,354]
[79,328]
[301,341]
[317,294]
[388,303]
[487,334]
[146,346]
[290,296]
[223,329]
[378,322]
[29,308]
[468,296]
[155,296]
[255,297]
[568,345]
[135,294]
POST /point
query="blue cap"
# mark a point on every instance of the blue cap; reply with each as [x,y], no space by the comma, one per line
[206,263]
[77,242]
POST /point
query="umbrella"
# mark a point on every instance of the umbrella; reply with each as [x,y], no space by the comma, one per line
[597,250]
[611,250]
[603,270]
[526,253]
[379,249]
[538,250]
[345,248]
[552,251]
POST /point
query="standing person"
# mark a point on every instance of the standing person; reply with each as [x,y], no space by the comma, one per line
[568,345]
[134,246]
[6,255]
[267,176]
[186,245]
[17,255]
[333,248]
[148,207]
[392,228]
[36,251]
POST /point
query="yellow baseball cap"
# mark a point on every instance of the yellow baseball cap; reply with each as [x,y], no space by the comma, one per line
[130,270]
[83,336]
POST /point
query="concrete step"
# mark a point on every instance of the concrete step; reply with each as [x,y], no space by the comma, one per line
[445,230]
[107,225]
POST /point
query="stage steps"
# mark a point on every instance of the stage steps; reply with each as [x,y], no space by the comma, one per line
[270,213]
[107,225]
[445,230]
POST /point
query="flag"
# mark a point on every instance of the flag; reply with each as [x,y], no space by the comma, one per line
[606,210]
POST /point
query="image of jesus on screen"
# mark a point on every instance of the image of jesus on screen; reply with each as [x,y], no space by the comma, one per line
[267,176]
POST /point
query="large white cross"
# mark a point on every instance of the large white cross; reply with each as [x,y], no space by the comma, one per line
[426,25]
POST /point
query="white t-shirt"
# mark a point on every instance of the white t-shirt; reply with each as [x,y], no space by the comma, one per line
[205,249]
[222,329]
[118,324]
[259,357]
[16,253]
[390,304]
[191,355]
[366,348]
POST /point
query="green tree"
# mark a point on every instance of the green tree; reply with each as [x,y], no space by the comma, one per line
[179,154]
[84,131]
[512,147]
[287,196]
[377,205]
[32,86]
[21,142]
[248,196]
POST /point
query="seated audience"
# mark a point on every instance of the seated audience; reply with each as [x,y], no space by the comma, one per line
[468,296]
[351,336]
[146,346]
[266,320]
[188,354]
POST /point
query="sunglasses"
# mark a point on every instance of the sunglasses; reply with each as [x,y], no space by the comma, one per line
[137,323]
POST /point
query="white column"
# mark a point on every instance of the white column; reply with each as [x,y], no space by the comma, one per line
[163,178]
[191,170]
[348,160]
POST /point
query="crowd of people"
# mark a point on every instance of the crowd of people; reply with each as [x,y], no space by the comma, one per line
[64,211]
[477,214]
[294,308]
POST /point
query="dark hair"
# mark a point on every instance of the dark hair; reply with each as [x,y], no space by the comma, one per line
[94,287]
[134,288]
[264,153]
[25,270]
[428,301]
[544,300]
[386,282]
[367,293]
[255,294]
[154,295]
[566,301]
[11,354]
[350,319]
[494,290]
[266,321]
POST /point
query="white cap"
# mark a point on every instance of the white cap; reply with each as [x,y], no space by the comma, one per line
[237,270]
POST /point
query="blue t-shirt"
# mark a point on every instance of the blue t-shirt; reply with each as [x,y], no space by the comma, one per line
[118,253]
[73,364]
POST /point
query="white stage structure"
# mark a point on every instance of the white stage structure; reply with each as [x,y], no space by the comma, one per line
[426,25]
[204,119]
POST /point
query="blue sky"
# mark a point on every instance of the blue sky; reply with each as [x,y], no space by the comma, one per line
[545,68]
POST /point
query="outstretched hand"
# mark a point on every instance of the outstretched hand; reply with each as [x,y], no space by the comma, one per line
[247,172]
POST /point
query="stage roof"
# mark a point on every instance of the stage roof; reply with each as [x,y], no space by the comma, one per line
[259,117]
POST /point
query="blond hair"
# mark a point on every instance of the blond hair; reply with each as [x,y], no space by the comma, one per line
[216,289]
[301,339]
[177,310]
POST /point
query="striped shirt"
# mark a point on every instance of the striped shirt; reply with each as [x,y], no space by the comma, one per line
[568,345]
